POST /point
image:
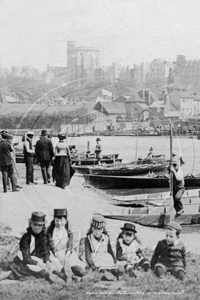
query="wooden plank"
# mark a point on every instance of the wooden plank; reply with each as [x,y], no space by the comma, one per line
[166,195]
[154,220]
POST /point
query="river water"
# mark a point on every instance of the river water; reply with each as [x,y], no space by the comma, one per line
[132,147]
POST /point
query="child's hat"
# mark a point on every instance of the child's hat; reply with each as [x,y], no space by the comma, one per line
[174,225]
[129,227]
[98,139]
[60,212]
[98,221]
[37,217]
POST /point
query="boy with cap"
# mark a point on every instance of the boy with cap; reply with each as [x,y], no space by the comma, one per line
[128,250]
[178,185]
[170,254]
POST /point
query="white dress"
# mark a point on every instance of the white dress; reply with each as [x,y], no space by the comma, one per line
[60,238]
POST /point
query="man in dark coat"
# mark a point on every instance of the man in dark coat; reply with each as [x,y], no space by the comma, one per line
[6,161]
[29,157]
[43,155]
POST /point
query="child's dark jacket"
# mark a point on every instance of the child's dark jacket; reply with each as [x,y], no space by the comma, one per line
[41,246]
[168,255]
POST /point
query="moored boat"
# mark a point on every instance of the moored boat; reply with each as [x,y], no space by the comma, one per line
[136,182]
[189,196]
[159,216]
[127,169]
[108,159]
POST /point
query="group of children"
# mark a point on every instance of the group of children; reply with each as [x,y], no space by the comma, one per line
[50,252]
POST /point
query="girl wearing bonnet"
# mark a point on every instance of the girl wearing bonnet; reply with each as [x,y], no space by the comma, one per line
[98,251]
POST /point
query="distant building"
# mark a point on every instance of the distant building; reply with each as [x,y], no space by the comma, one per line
[121,99]
[188,76]
[110,114]
[104,95]
[82,61]
[134,106]
[139,73]
[25,72]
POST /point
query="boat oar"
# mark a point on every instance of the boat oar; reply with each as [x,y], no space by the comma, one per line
[171,177]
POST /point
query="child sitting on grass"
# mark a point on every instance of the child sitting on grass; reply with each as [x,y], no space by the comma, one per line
[170,254]
[128,250]
[33,257]
[98,251]
[60,237]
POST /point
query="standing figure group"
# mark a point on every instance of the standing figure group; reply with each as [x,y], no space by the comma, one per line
[44,154]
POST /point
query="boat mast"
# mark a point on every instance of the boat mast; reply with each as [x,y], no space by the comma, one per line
[171,175]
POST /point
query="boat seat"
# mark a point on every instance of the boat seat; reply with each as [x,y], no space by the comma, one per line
[158,210]
[186,201]
[139,210]
[191,209]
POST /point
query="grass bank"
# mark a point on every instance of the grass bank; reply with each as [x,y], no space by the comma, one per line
[145,286]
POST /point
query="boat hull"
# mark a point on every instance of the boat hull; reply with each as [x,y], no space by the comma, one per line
[134,182]
[157,216]
[127,170]
[164,219]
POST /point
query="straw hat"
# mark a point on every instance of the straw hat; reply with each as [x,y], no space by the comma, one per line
[98,222]
[30,133]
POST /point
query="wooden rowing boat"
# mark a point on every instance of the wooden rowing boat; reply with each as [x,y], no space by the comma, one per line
[157,199]
[79,161]
[136,182]
[130,169]
[158,216]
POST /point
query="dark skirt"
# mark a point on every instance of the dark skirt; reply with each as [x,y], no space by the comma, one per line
[62,171]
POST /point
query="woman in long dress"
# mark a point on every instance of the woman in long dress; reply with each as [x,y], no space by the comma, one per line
[62,162]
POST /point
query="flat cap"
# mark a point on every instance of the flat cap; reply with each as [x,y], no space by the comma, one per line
[173,225]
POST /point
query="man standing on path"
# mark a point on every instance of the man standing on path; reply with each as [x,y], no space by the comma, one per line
[98,150]
[6,161]
[29,157]
[43,155]
[178,185]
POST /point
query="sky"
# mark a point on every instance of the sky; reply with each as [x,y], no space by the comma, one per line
[35,32]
